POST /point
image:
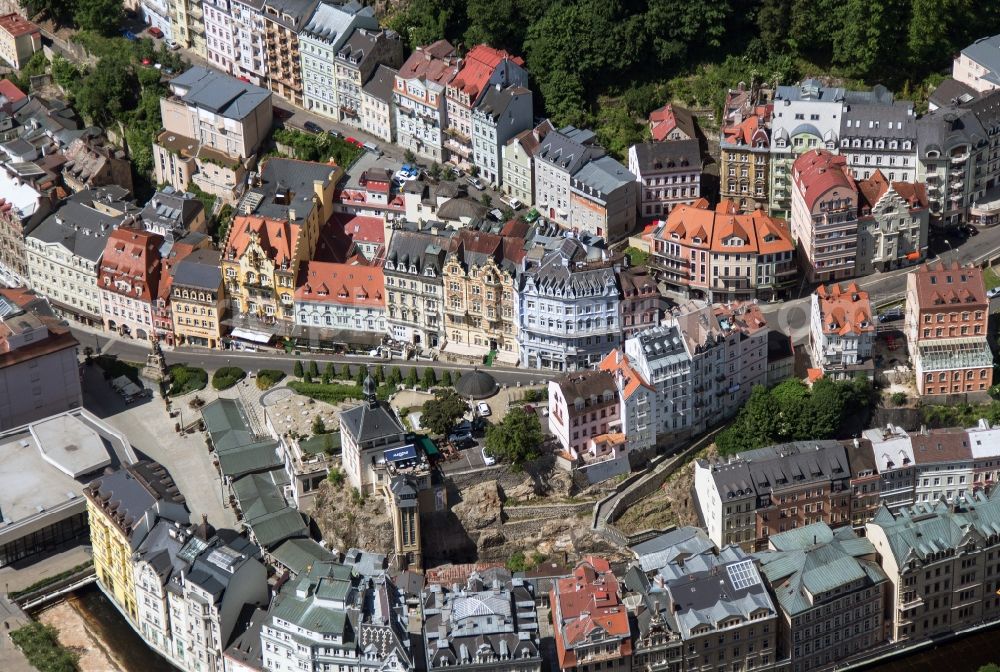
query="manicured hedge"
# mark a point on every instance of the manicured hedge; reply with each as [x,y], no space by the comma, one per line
[227,376]
[268,378]
[184,379]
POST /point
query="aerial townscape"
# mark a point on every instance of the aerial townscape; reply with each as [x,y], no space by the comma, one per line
[572,336]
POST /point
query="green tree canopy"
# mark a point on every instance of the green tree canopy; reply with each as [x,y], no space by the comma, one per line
[103,17]
[442,413]
[517,438]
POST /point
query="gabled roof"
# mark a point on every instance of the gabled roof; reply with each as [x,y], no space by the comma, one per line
[344,284]
[629,380]
[436,63]
[669,117]
[569,148]
[680,155]
[478,68]
[940,286]
[277,238]
[131,263]
[844,310]
[219,93]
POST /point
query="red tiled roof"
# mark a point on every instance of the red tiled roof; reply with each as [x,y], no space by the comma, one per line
[362,229]
[436,62]
[585,602]
[345,284]
[817,172]
[664,120]
[278,238]
[9,90]
[478,68]
[16,25]
[939,285]
[940,445]
[844,310]
[132,256]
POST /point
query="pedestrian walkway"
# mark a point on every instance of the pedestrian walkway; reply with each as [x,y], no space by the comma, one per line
[10,656]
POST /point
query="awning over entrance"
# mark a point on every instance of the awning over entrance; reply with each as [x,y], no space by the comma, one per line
[249,335]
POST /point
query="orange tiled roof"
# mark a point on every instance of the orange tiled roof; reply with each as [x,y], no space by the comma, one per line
[585,602]
[436,63]
[844,310]
[758,231]
[345,284]
[277,238]
[873,188]
[616,362]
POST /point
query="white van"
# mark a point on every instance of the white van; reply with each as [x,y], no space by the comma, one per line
[373,148]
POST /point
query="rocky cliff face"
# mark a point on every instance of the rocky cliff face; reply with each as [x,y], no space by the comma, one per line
[347,522]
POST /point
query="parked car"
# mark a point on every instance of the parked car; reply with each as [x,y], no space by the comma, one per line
[155,32]
[128,34]
[993,293]
[488,459]
[456,171]
[172,46]
[972,231]
[354,141]
[484,409]
[335,133]
[313,127]
[373,148]
[496,214]
[476,182]
[514,203]
[891,314]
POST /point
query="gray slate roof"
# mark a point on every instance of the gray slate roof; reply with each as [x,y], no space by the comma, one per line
[682,155]
[80,228]
[564,271]
[569,148]
[495,101]
[421,248]
[810,89]
[333,24]
[171,210]
[602,177]
[200,270]
[370,421]
[218,93]
[380,84]
[298,178]
[677,544]
[952,125]
[771,468]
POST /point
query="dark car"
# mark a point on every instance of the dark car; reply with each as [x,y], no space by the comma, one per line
[313,127]
[335,133]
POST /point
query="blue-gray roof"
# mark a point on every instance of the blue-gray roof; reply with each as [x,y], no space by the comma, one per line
[200,269]
[809,561]
[810,89]
[219,93]
[334,24]
[986,52]
[568,148]
[601,177]
[79,227]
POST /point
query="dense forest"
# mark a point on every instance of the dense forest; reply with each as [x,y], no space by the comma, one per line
[607,63]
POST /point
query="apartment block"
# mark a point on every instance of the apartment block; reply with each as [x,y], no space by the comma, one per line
[946,325]
[378,112]
[603,199]
[19,40]
[583,405]
[879,133]
[39,368]
[939,559]
[251,49]
[123,507]
[721,255]
[198,300]
[64,251]
[325,32]
[638,408]
[345,299]
[746,498]
[214,125]
[958,160]
[187,25]
[842,332]
[518,180]
[978,65]
[668,175]
[824,217]
[591,624]
[489,623]
[745,145]
[892,224]
[501,114]
[414,285]
[337,614]
[483,68]
[24,207]
[222,47]
[557,159]
[480,295]
[129,282]
[419,98]
[568,306]
[830,591]
[356,63]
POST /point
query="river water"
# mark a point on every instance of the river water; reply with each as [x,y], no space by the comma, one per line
[963,655]
[117,634]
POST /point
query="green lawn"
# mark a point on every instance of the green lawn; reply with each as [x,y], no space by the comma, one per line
[990,277]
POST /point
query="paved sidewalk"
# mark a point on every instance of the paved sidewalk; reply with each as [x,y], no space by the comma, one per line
[11,658]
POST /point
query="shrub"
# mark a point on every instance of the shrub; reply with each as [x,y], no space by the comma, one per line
[430,378]
[184,379]
[336,477]
[335,393]
[227,376]
[40,645]
[318,426]
[297,370]
[898,398]
[313,368]
[533,396]
[411,377]
[268,378]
